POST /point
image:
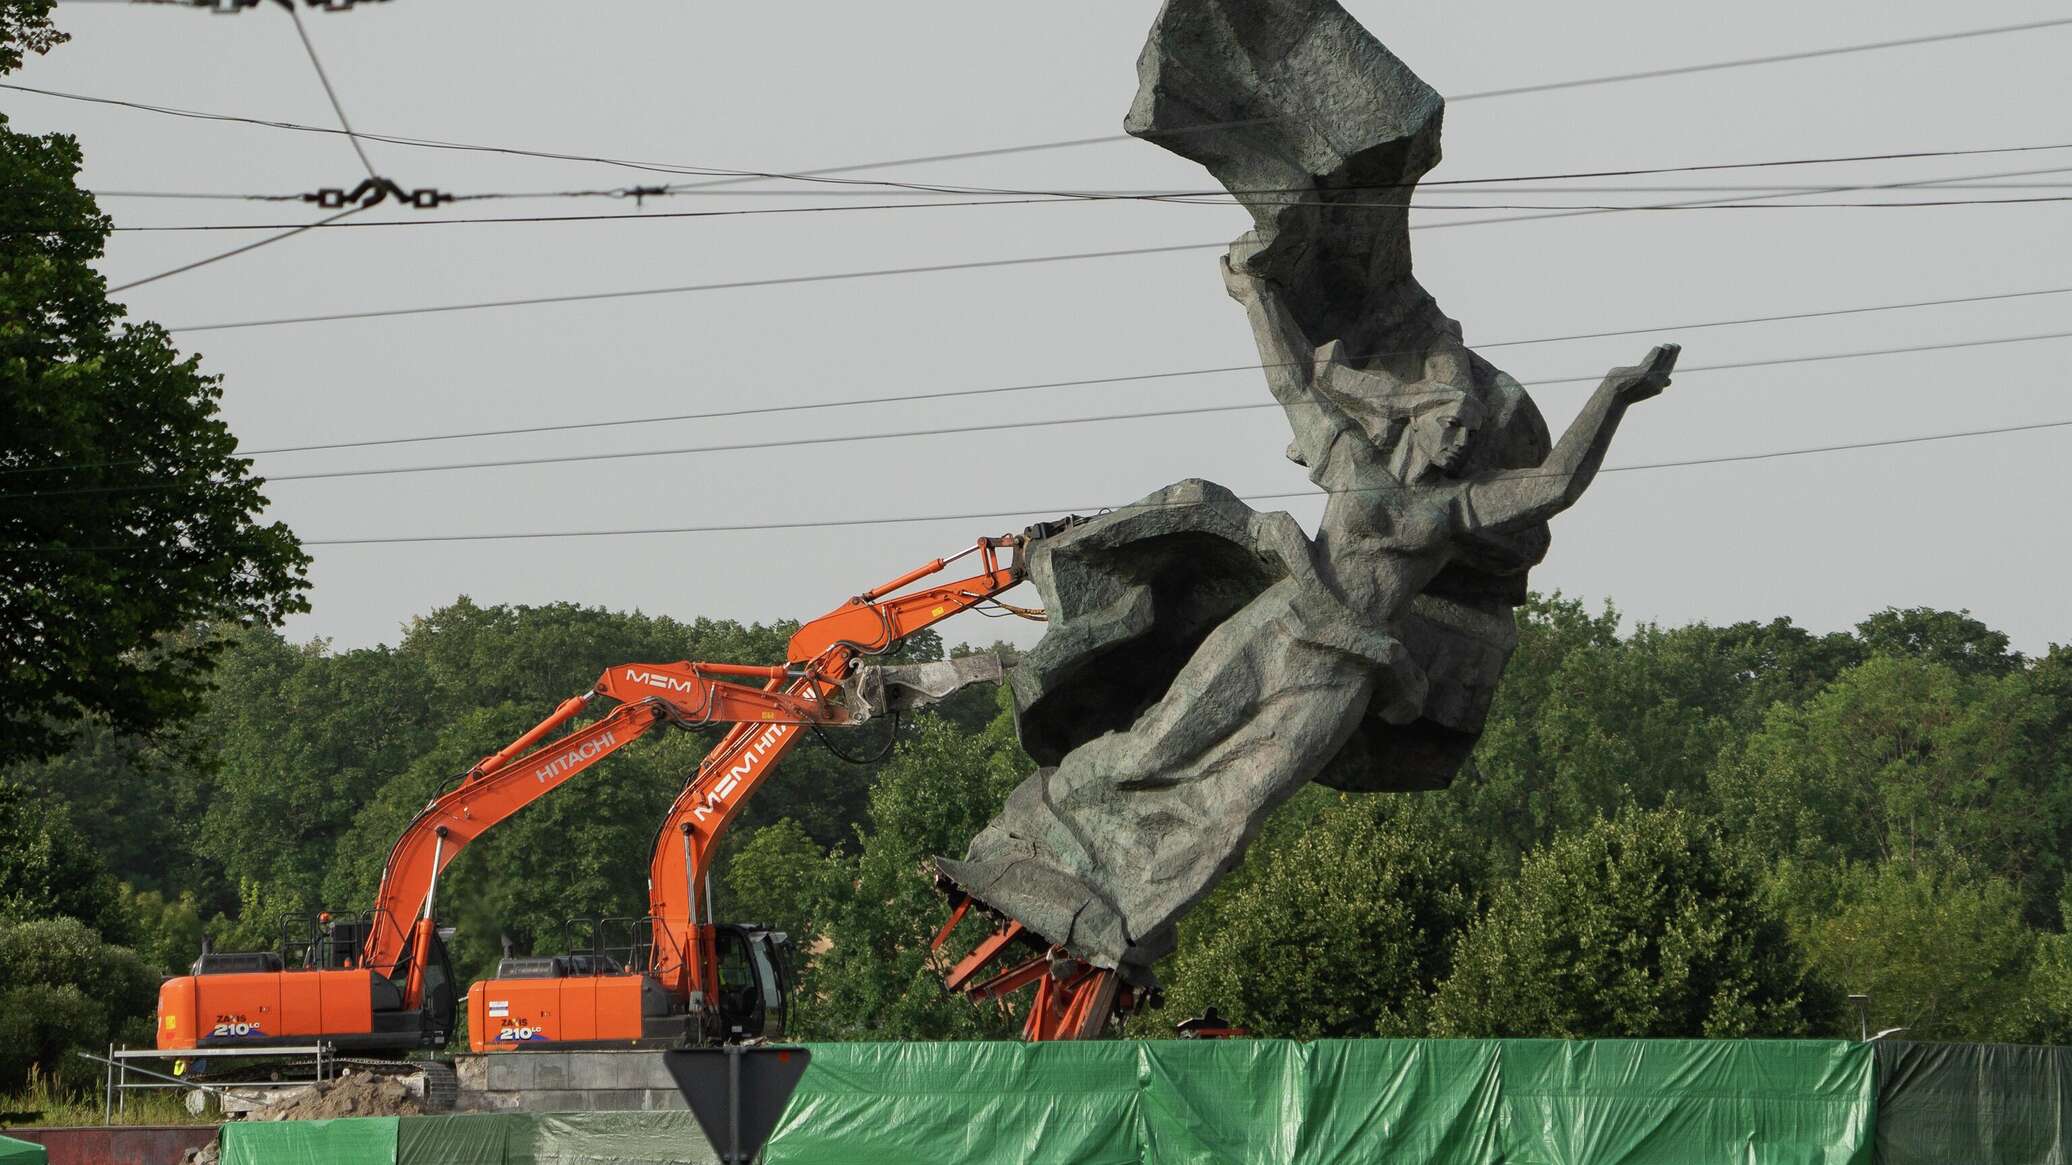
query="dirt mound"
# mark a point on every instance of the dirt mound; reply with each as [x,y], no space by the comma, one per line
[352,1094]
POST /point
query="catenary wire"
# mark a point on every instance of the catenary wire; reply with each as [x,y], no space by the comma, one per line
[996,390]
[999,426]
[331,91]
[824,173]
[625,192]
[656,216]
[1480,95]
[293,229]
[1723,459]
[835,276]
[1425,185]
[329,220]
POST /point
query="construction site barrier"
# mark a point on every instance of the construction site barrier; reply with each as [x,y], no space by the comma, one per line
[1989,1103]
[1125,1102]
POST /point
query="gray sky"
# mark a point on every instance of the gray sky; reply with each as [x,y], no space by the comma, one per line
[784,86]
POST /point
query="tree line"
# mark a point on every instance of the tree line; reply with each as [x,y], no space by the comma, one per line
[1687,831]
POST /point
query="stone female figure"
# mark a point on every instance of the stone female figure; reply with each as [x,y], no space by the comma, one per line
[1106,851]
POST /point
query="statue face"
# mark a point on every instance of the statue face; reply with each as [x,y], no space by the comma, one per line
[1442,435]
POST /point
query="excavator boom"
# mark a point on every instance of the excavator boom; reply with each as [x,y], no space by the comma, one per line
[686,990]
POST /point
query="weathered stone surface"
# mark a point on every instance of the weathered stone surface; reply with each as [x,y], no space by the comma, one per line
[1204,661]
[1322,134]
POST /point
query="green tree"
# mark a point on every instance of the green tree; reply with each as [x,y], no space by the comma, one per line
[126,517]
[2047,1009]
[47,870]
[1951,638]
[131,798]
[1585,721]
[63,988]
[877,978]
[1343,928]
[780,877]
[165,932]
[1944,954]
[302,738]
[1913,760]
[1644,925]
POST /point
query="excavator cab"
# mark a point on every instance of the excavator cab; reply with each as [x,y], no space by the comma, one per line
[439,999]
[754,987]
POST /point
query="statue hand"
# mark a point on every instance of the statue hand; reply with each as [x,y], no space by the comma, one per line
[1631,385]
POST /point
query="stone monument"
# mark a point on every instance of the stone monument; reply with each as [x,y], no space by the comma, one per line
[1204,660]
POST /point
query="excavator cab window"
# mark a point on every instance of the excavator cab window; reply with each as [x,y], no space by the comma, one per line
[438,993]
[740,983]
[773,963]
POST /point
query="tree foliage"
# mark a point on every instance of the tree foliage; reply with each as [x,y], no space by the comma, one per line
[1645,925]
[47,870]
[126,518]
[1943,953]
[1343,930]
[877,978]
[62,988]
[1909,759]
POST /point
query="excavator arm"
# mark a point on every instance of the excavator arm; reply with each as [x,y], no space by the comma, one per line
[765,705]
[825,655]
[490,792]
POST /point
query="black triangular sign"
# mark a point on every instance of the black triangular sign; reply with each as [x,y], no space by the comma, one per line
[768,1076]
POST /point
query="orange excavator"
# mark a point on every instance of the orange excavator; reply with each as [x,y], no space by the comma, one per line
[683,977]
[381,982]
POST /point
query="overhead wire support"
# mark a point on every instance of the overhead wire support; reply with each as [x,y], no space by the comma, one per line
[932,268]
[233,7]
[432,198]
[363,197]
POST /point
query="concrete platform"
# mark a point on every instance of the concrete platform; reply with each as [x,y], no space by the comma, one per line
[628,1081]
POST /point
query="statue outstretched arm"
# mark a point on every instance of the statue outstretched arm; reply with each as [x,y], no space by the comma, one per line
[1289,359]
[1518,497]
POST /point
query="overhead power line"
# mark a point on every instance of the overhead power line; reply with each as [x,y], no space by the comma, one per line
[969,265]
[292,229]
[1771,59]
[1075,200]
[291,232]
[826,173]
[997,390]
[1288,495]
[629,192]
[330,91]
[992,427]
[1508,184]
[1481,95]
[1152,414]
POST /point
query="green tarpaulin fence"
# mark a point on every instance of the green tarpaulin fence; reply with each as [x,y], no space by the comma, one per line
[1981,1104]
[366,1140]
[1436,1102]
[1441,1102]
